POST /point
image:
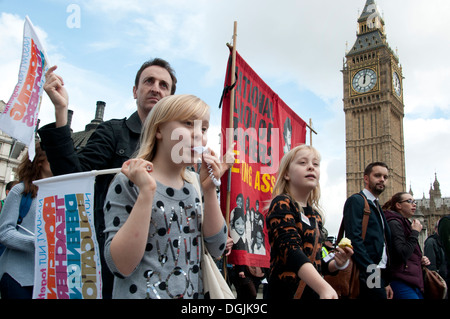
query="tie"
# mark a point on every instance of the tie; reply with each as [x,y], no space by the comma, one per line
[379,210]
[376,203]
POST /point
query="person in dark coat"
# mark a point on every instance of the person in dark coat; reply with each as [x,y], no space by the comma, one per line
[406,256]
[370,254]
[434,250]
[444,235]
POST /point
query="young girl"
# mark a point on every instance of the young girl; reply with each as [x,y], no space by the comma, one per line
[152,210]
[294,224]
[16,229]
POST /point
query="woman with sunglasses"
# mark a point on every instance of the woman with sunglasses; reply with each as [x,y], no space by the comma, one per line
[406,257]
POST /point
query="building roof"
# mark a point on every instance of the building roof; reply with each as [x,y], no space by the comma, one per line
[80,138]
[370,10]
[368,41]
[370,33]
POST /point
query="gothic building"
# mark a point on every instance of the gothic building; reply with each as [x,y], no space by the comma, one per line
[80,138]
[430,210]
[11,153]
[373,105]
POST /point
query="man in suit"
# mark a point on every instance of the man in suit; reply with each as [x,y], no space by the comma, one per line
[370,254]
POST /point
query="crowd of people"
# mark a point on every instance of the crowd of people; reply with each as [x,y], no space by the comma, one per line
[138,211]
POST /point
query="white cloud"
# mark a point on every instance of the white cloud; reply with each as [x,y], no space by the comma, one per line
[427,153]
[11,30]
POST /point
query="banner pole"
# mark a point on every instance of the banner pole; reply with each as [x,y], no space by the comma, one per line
[311,131]
[230,123]
[230,137]
[107,171]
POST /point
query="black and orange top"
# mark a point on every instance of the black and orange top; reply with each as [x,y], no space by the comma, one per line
[292,235]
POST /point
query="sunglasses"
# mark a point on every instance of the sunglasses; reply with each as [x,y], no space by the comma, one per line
[409,201]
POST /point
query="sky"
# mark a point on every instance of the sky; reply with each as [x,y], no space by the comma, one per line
[296,46]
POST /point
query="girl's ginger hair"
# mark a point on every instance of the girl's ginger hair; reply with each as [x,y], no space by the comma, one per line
[170,108]
[29,171]
[282,185]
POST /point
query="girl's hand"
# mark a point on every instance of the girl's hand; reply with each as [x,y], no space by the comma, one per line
[229,246]
[425,261]
[210,161]
[328,293]
[342,255]
[138,171]
[228,159]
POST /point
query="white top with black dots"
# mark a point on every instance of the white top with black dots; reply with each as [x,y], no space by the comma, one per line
[170,267]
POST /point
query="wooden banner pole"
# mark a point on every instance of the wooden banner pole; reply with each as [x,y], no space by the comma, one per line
[230,136]
[311,130]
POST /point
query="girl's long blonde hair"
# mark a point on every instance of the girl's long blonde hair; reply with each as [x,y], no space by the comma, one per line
[170,108]
[282,185]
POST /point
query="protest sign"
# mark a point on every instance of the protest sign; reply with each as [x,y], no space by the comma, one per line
[20,116]
[264,128]
[67,260]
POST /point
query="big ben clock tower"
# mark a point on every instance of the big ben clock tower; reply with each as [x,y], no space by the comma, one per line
[373,105]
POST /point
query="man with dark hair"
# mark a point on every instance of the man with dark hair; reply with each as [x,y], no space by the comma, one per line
[112,143]
[370,254]
[161,63]
[8,187]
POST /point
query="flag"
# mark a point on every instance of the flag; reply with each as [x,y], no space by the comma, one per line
[67,258]
[20,116]
[264,129]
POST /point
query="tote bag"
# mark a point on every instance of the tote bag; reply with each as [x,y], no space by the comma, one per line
[214,284]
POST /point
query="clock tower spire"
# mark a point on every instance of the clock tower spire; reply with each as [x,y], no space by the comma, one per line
[370,19]
[373,104]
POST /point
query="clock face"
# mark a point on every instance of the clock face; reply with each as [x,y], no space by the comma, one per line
[397,84]
[364,81]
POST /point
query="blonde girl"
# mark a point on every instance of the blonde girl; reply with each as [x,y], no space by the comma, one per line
[152,209]
[294,222]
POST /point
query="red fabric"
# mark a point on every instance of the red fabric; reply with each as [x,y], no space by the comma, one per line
[259,118]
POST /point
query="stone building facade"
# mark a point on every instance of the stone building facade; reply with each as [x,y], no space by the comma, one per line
[11,153]
[430,210]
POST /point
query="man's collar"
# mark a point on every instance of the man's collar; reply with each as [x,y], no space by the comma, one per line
[369,195]
[134,123]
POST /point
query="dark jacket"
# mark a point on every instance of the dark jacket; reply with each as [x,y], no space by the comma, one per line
[434,250]
[405,253]
[369,251]
[112,143]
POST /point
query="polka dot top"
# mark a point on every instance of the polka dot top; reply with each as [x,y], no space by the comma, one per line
[170,267]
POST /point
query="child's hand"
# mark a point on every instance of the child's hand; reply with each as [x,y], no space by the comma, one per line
[210,163]
[137,170]
[342,255]
[228,159]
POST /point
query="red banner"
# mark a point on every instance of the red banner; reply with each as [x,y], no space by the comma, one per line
[263,128]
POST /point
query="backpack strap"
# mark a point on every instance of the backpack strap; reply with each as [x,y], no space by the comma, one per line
[365,220]
[25,204]
[366,216]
